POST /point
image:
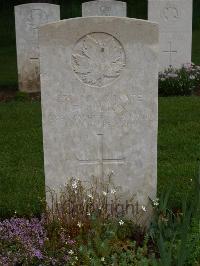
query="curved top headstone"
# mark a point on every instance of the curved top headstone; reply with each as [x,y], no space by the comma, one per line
[104,8]
[28,19]
[99,78]
[175,22]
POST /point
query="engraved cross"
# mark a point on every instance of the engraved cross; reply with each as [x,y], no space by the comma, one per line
[38,17]
[101,160]
[170,51]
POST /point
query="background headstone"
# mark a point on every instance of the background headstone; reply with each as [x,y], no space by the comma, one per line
[28,18]
[104,8]
[99,80]
[175,22]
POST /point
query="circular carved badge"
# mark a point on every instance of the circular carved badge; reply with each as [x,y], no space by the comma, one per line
[170,13]
[98,59]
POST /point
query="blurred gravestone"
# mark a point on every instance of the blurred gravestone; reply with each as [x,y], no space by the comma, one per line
[99,86]
[175,21]
[104,8]
[28,18]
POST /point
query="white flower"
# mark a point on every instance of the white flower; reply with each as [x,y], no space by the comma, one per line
[156,202]
[71,252]
[121,222]
[162,79]
[104,193]
[192,77]
[172,75]
[102,259]
[191,179]
[74,184]
[88,214]
[76,258]
[113,191]
[144,208]
[79,224]
[90,196]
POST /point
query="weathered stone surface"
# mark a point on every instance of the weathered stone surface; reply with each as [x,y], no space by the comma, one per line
[28,18]
[175,22]
[104,8]
[99,102]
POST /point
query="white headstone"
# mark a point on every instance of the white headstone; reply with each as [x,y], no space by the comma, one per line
[104,8]
[28,18]
[175,22]
[99,102]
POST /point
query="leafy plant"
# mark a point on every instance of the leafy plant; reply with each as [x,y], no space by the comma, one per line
[77,202]
[171,231]
[180,82]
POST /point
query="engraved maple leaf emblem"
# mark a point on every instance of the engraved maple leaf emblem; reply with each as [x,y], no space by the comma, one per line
[98,59]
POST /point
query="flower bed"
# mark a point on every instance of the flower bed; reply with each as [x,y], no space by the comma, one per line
[180,82]
[94,237]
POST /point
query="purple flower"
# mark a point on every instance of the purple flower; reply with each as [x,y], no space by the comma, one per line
[28,237]
[38,254]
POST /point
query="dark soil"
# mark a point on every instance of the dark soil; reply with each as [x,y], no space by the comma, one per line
[11,94]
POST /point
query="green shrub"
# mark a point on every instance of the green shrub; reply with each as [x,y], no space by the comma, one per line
[98,239]
[194,240]
[109,244]
[180,82]
[176,234]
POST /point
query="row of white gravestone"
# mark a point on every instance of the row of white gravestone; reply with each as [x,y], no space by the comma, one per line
[175,21]
[99,84]
[174,18]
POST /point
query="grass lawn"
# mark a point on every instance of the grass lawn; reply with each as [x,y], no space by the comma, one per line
[21,156]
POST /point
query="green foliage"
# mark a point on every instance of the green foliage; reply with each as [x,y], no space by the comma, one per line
[21,159]
[108,243]
[172,239]
[196,14]
[171,231]
[196,46]
[178,146]
[180,82]
[194,240]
